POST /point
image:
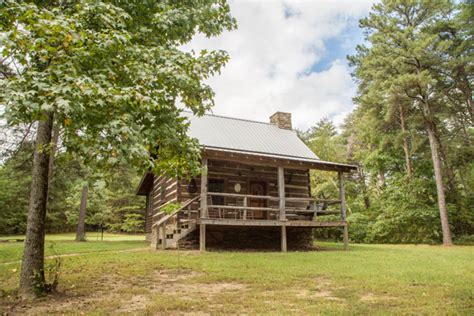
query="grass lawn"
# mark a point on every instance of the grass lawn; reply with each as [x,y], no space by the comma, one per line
[383,279]
[64,244]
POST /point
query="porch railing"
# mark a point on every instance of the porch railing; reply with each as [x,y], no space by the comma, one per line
[244,211]
[161,220]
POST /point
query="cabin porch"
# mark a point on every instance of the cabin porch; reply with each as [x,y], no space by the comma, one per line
[238,190]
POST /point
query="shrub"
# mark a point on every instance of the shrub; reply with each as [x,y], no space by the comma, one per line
[133,223]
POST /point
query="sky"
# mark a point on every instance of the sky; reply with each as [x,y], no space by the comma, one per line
[287,56]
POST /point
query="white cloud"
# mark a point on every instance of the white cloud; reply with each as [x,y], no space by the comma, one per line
[272,53]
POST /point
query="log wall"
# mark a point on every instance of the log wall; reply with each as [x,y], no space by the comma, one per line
[167,190]
[163,192]
[296,182]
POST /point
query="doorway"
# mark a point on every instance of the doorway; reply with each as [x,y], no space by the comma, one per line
[258,188]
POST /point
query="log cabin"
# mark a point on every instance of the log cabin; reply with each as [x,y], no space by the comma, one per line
[254,191]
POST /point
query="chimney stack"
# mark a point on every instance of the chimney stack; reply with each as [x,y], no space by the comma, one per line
[282,120]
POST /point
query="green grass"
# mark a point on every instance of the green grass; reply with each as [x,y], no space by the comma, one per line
[90,236]
[368,279]
[64,244]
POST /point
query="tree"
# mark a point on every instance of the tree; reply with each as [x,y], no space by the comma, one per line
[81,231]
[401,57]
[15,180]
[110,74]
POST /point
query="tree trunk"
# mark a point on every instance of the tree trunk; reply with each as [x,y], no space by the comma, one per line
[54,146]
[406,147]
[363,186]
[447,241]
[81,234]
[32,279]
[448,171]
[464,84]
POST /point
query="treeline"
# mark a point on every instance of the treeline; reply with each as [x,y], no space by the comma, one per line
[412,132]
[111,203]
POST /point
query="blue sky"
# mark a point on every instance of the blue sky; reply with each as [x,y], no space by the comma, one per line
[288,56]
[338,47]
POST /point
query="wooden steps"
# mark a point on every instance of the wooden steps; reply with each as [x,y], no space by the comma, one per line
[177,233]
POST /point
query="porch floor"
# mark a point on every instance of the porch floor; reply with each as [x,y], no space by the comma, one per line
[264,222]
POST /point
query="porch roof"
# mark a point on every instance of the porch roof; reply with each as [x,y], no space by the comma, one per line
[269,160]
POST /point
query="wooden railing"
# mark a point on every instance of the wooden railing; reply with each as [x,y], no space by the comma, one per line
[243,210]
[185,205]
[165,219]
[315,203]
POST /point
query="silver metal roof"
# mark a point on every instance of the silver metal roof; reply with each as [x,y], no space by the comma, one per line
[220,132]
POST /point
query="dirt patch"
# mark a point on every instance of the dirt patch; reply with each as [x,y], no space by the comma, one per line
[131,294]
[138,302]
[325,294]
[371,297]
[323,288]
[171,276]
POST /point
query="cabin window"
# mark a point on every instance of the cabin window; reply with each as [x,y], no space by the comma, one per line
[216,185]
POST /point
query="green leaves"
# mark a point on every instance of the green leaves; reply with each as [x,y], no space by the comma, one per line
[412,73]
[114,74]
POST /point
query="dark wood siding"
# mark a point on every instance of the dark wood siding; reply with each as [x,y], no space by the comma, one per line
[163,191]
[296,181]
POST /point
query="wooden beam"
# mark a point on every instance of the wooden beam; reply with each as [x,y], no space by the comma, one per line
[281,192]
[253,208]
[204,212]
[264,222]
[202,237]
[163,236]
[301,223]
[256,159]
[240,222]
[342,198]
[283,239]
[264,197]
[245,208]
[157,229]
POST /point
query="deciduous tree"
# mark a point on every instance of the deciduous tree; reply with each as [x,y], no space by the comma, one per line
[111,75]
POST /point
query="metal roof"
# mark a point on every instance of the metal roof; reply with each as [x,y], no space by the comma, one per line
[220,132]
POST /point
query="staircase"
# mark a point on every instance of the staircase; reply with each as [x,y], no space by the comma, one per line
[169,229]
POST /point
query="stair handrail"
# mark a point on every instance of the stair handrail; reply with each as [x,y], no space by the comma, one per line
[163,220]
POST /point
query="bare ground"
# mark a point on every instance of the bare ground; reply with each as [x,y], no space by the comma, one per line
[131,295]
[135,295]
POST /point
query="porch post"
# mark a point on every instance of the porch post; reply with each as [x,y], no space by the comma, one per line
[283,238]
[281,196]
[163,238]
[281,192]
[342,197]
[202,237]
[204,189]
[204,213]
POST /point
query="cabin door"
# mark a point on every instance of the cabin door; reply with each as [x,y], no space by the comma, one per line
[258,188]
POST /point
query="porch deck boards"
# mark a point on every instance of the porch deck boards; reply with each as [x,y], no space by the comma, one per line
[264,222]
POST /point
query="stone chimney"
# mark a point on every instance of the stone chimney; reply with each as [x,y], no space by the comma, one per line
[281,119]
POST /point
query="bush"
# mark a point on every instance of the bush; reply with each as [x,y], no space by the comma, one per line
[133,223]
[408,213]
[465,240]
[359,225]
